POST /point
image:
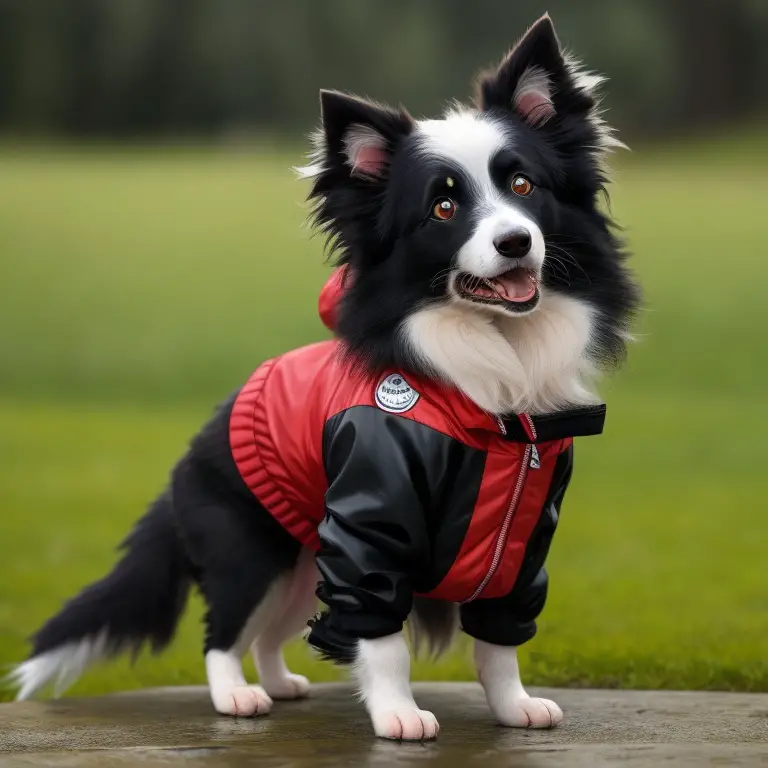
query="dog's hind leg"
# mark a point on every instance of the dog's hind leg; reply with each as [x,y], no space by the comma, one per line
[242,559]
[298,606]
[226,644]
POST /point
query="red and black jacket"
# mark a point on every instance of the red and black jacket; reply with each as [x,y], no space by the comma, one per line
[403,487]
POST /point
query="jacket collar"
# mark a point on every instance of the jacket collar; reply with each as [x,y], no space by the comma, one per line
[575,422]
[522,428]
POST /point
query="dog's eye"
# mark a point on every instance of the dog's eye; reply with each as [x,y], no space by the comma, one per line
[521,186]
[444,209]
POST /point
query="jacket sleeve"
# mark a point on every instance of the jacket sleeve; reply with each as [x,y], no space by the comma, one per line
[382,470]
[511,620]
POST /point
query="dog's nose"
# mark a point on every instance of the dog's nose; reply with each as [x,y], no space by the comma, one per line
[514,244]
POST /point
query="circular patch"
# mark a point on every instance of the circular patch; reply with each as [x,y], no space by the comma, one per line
[395,394]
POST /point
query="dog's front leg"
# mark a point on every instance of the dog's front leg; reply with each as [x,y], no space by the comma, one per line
[382,670]
[499,674]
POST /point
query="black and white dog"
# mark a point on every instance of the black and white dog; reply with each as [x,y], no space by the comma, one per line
[486,291]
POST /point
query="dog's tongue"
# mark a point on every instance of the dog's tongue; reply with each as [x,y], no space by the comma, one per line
[516,285]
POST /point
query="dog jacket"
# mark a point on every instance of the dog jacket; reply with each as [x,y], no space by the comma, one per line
[403,486]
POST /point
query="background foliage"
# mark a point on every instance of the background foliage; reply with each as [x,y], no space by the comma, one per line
[224,67]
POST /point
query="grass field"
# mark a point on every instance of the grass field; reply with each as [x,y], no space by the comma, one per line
[138,286]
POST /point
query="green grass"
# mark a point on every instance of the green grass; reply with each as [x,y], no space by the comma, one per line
[139,286]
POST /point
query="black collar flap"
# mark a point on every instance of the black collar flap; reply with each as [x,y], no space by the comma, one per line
[577,422]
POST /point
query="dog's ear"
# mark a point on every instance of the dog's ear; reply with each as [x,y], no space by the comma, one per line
[530,79]
[360,134]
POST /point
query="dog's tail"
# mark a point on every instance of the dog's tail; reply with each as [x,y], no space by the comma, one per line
[140,601]
[433,623]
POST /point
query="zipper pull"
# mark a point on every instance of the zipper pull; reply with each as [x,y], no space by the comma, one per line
[528,425]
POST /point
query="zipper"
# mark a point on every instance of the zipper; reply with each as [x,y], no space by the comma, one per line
[511,509]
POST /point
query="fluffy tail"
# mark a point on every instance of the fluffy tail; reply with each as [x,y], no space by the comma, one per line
[434,623]
[140,601]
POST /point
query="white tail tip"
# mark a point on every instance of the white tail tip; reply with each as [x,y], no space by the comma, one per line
[64,665]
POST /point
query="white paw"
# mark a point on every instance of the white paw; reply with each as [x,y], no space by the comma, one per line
[405,724]
[242,701]
[289,686]
[529,713]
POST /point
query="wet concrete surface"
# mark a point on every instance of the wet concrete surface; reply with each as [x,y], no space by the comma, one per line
[176,726]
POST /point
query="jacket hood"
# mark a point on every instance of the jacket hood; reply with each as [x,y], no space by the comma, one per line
[330,295]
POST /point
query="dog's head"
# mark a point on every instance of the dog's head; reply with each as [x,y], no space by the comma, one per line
[490,209]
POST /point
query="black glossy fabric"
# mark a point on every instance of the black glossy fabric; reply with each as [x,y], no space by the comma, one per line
[578,422]
[399,501]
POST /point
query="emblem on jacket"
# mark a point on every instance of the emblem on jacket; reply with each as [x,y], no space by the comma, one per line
[395,395]
[535,462]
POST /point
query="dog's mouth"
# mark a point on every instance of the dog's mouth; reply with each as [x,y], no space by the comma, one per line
[516,290]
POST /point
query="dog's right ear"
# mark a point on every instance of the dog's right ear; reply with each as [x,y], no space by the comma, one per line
[529,79]
[359,135]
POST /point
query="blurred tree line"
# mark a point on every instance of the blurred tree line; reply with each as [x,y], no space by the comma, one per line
[126,68]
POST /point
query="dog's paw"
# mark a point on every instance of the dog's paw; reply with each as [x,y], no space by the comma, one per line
[529,713]
[405,724]
[288,686]
[242,701]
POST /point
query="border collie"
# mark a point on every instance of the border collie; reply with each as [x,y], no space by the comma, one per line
[413,467]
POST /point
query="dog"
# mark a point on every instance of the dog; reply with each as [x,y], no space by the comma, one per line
[411,468]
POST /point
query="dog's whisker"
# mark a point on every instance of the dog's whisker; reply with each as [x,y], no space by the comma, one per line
[443,276]
[566,239]
[565,254]
[558,264]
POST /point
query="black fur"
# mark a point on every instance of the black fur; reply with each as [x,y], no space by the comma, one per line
[234,546]
[140,600]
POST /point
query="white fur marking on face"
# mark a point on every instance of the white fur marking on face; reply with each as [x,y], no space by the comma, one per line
[533,97]
[499,674]
[535,363]
[382,671]
[465,139]
[478,255]
[469,140]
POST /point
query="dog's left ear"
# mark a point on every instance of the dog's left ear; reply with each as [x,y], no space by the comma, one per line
[361,136]
[532,80]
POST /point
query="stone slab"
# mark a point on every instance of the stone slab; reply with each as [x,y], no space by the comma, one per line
[176,726]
